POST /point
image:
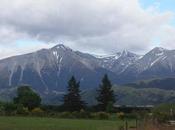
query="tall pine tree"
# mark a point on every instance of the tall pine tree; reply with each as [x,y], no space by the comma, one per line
[72,100]
[106,95]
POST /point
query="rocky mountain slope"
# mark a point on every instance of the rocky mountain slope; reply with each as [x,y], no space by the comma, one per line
[48,70]
[158,63]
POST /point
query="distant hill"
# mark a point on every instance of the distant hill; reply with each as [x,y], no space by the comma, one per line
[124,95]
[165,84]
[144,96]
[133,96]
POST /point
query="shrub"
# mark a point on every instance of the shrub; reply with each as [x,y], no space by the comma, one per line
[2,109]
[121,115]
[75,114]
[37,111]
[102,115]
[84,114]
[164,112]
[110,107]
[66,115]
[52,114]
[10,108]
[131,116]
[81,114]
[21,110]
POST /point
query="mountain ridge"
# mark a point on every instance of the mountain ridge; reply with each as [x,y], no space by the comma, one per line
[61,60]
[48,70]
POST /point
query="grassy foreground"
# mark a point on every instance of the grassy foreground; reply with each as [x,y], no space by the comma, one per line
[32,123]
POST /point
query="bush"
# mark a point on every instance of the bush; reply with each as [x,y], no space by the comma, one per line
[110,107]
[164,112]
[66,115]
[21,110]
[2,109]
[131,116]
[10,108]
[75,114]
[84,114]
[121,115]
[52,114]
[81,114]
[102,115]
[37,112]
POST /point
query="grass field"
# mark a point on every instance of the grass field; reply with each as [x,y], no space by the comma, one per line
[31,123]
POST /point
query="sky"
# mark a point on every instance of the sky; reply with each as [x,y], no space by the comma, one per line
[93,26]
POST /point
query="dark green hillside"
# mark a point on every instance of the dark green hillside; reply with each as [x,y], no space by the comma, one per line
[134,96]
[125,96]
[144,96]
[166,83]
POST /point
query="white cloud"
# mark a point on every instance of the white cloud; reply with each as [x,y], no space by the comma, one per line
[94,25]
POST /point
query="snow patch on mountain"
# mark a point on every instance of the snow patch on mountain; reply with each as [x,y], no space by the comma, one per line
[109,56]
[155,61]
[55,53]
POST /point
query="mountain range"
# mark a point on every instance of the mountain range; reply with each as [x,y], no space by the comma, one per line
[48,70]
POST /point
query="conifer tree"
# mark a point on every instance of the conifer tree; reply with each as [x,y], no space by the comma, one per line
[105,94]
[72,100]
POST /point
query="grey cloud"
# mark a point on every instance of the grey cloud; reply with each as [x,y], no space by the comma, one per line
[93,25]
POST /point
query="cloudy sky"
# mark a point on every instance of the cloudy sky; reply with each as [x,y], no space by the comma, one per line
[94,26]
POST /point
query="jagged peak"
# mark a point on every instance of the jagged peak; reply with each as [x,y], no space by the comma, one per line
[159,49]
[116,55]
[128,53]
[125,52]
[61,46]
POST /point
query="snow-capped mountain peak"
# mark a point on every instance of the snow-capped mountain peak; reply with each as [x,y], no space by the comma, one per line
[61,46]
[52,67]
[125,52]
[158,51]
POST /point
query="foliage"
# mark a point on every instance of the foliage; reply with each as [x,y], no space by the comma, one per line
[21,110]
[84,114]
[2,109]
[164,112]
[164,83]
[101,115]
[10,108]
[77,115]
[142,96]
[66,115]
[133,116]
[37,112]
[72,100]
[121,115]
[110,107]
[106,95]
[27,97]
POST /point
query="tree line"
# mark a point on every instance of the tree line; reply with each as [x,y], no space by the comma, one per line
[72,100]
